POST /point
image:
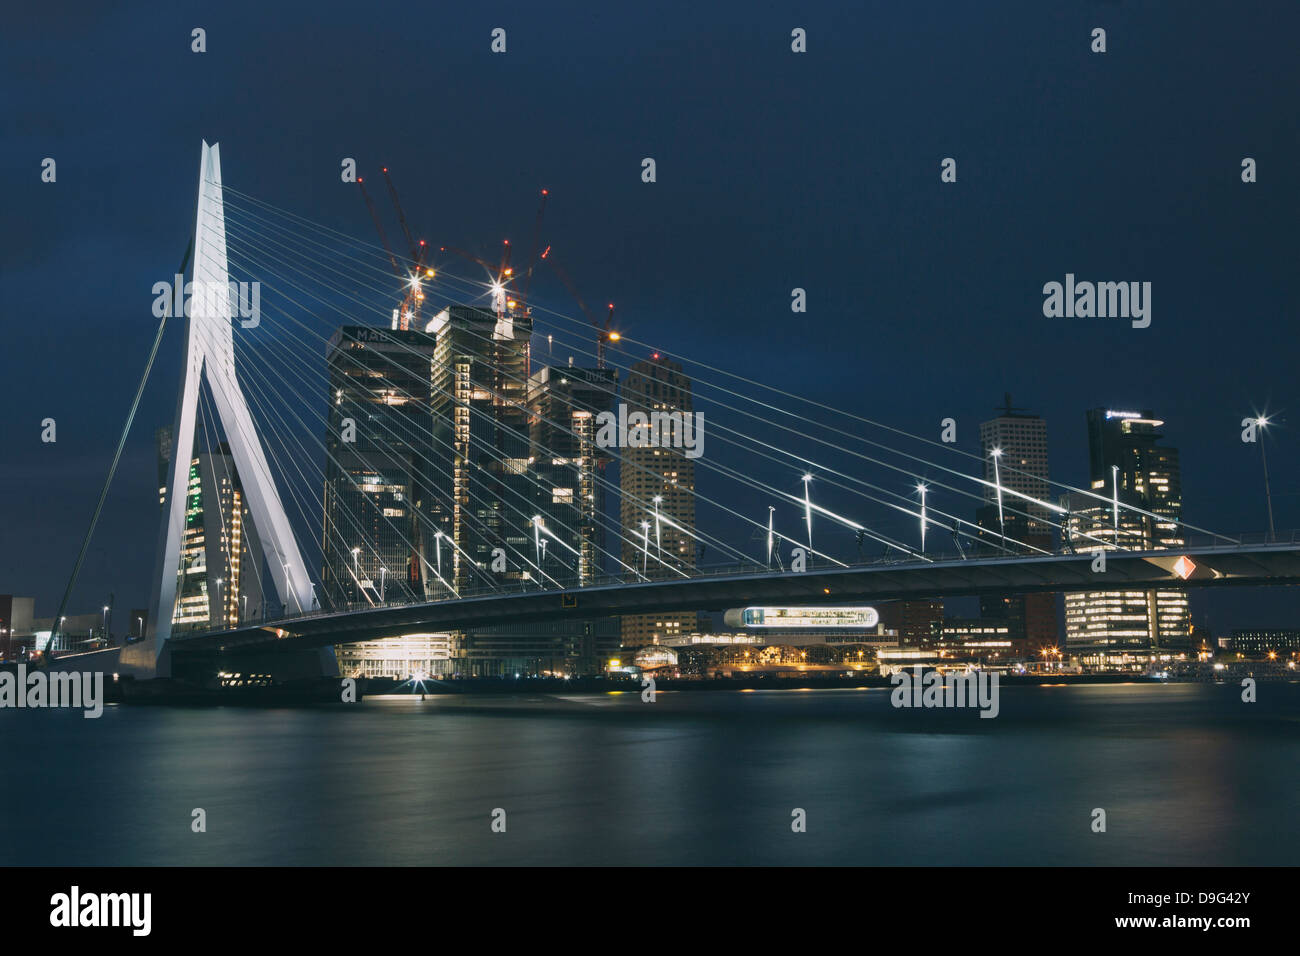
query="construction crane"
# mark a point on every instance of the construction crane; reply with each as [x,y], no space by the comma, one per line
[413,297]
[379,226]
[409,310]
[604,333]
[467,255]
[401,216]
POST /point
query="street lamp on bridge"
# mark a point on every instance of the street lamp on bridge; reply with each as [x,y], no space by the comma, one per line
[658,542]
[922,489]
[807,508]
[997,484]
[1262,422]
[1114,484]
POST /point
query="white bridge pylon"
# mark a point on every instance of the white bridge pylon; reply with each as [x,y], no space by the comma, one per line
[209,351]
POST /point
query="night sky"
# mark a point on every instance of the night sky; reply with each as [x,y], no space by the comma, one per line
[775,170]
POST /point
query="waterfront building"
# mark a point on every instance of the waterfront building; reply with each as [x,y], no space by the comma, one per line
[1127,465]
[986,639]
[411,656]
[536,648]
[913,621]
[789,617]
[1261,641]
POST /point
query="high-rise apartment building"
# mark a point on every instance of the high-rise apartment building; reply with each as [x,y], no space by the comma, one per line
[1123,446]
[485,489]
[570,467]
[1019,468]
[662,480]
[452,470]
[378,465]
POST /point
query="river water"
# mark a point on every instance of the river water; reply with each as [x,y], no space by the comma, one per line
[1186,773]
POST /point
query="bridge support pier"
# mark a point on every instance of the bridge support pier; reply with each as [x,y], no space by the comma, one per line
[203,668]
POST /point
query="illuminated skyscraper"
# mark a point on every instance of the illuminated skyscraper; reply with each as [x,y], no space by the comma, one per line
[377,464]
[510,448]
[1021,469]
[1124,444]
[484,490]
[661,479]
[1129,466]
[570,467]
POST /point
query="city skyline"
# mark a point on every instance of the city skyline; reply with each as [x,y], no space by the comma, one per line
[949,328]
[395,394]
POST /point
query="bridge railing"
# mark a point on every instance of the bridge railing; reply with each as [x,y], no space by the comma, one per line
[535,586]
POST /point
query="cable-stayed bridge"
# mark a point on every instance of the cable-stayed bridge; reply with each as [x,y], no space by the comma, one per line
[468,476]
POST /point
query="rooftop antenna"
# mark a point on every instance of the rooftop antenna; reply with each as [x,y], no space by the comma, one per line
[1007,408]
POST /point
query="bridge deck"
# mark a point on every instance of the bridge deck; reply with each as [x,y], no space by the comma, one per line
[1249,565]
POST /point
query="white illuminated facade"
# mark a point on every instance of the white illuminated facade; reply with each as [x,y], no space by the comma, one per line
[812,617]
[403,658]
